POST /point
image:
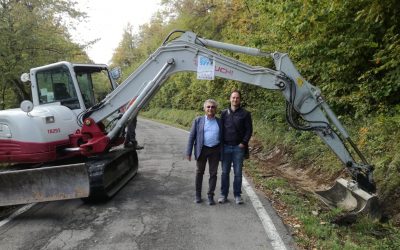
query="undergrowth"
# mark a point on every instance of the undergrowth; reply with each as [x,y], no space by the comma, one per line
[314,226]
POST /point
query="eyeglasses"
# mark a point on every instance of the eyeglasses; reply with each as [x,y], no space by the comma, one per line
[210,107]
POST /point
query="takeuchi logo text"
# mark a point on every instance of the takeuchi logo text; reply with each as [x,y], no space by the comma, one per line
[223,70]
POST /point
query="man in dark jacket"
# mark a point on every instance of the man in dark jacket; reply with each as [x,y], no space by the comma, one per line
[205,136]
[237,129]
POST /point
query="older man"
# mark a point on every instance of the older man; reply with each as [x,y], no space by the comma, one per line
[205,136]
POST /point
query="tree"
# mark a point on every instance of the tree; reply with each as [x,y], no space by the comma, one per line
[33,33]
[126,54]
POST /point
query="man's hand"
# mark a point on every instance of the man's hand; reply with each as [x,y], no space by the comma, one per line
[189,157]
[241,145]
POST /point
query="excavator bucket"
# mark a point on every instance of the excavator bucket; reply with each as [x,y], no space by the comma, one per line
[347,196]
[44,184]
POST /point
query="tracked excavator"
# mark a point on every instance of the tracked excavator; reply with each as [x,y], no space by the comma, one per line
[65,143]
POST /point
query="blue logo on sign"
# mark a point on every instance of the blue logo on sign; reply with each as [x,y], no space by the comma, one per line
[204,61]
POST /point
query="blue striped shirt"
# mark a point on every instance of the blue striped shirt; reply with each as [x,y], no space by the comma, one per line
[211,132]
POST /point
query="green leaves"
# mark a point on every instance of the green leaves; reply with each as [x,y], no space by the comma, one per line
[33,33]
[350,49]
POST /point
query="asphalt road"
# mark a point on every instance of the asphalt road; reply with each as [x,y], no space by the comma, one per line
[155,210]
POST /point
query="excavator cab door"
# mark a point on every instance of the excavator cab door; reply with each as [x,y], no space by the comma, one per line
[94,83]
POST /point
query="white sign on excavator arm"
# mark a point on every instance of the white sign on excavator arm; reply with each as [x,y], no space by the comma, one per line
[205,68]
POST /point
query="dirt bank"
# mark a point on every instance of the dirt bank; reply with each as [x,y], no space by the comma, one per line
[276,163]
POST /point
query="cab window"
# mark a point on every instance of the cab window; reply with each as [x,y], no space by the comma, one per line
[94,84]
[55,85]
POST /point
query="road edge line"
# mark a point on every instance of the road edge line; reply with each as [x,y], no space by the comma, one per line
[269,227]
[16,213]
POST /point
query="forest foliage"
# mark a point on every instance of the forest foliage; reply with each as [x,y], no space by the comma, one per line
[34,33]
[349,49]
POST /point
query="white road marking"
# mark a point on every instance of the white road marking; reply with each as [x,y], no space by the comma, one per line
[16,213]
[269,226]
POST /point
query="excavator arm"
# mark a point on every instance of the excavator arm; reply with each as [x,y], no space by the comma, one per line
[303,99]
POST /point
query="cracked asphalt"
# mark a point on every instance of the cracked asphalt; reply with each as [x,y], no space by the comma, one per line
[155,210]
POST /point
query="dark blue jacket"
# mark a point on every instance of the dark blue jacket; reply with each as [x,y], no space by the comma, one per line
[237,126]
[196,137]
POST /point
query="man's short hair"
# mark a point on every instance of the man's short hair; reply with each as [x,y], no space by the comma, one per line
[236,91]
[212,101]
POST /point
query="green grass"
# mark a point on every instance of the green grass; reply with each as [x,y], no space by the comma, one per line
[314,229]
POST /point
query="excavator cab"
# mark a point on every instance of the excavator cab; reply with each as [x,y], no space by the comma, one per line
[76,86]
[37,145]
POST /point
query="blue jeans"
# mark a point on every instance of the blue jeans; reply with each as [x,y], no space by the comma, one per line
[232,156]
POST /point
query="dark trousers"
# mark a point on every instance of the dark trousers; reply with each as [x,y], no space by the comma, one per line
[131,131]
[212,155]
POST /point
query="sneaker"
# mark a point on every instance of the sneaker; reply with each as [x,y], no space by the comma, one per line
[198,199]
[238,200]
[211,200]
[222,199]
[129,144]
[133,145]
[138,147]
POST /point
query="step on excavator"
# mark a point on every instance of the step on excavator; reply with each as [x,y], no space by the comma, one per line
[66,142]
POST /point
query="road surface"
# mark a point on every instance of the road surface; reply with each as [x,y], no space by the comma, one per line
[155,210]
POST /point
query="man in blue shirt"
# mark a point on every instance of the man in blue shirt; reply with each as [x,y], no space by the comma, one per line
[205,136]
